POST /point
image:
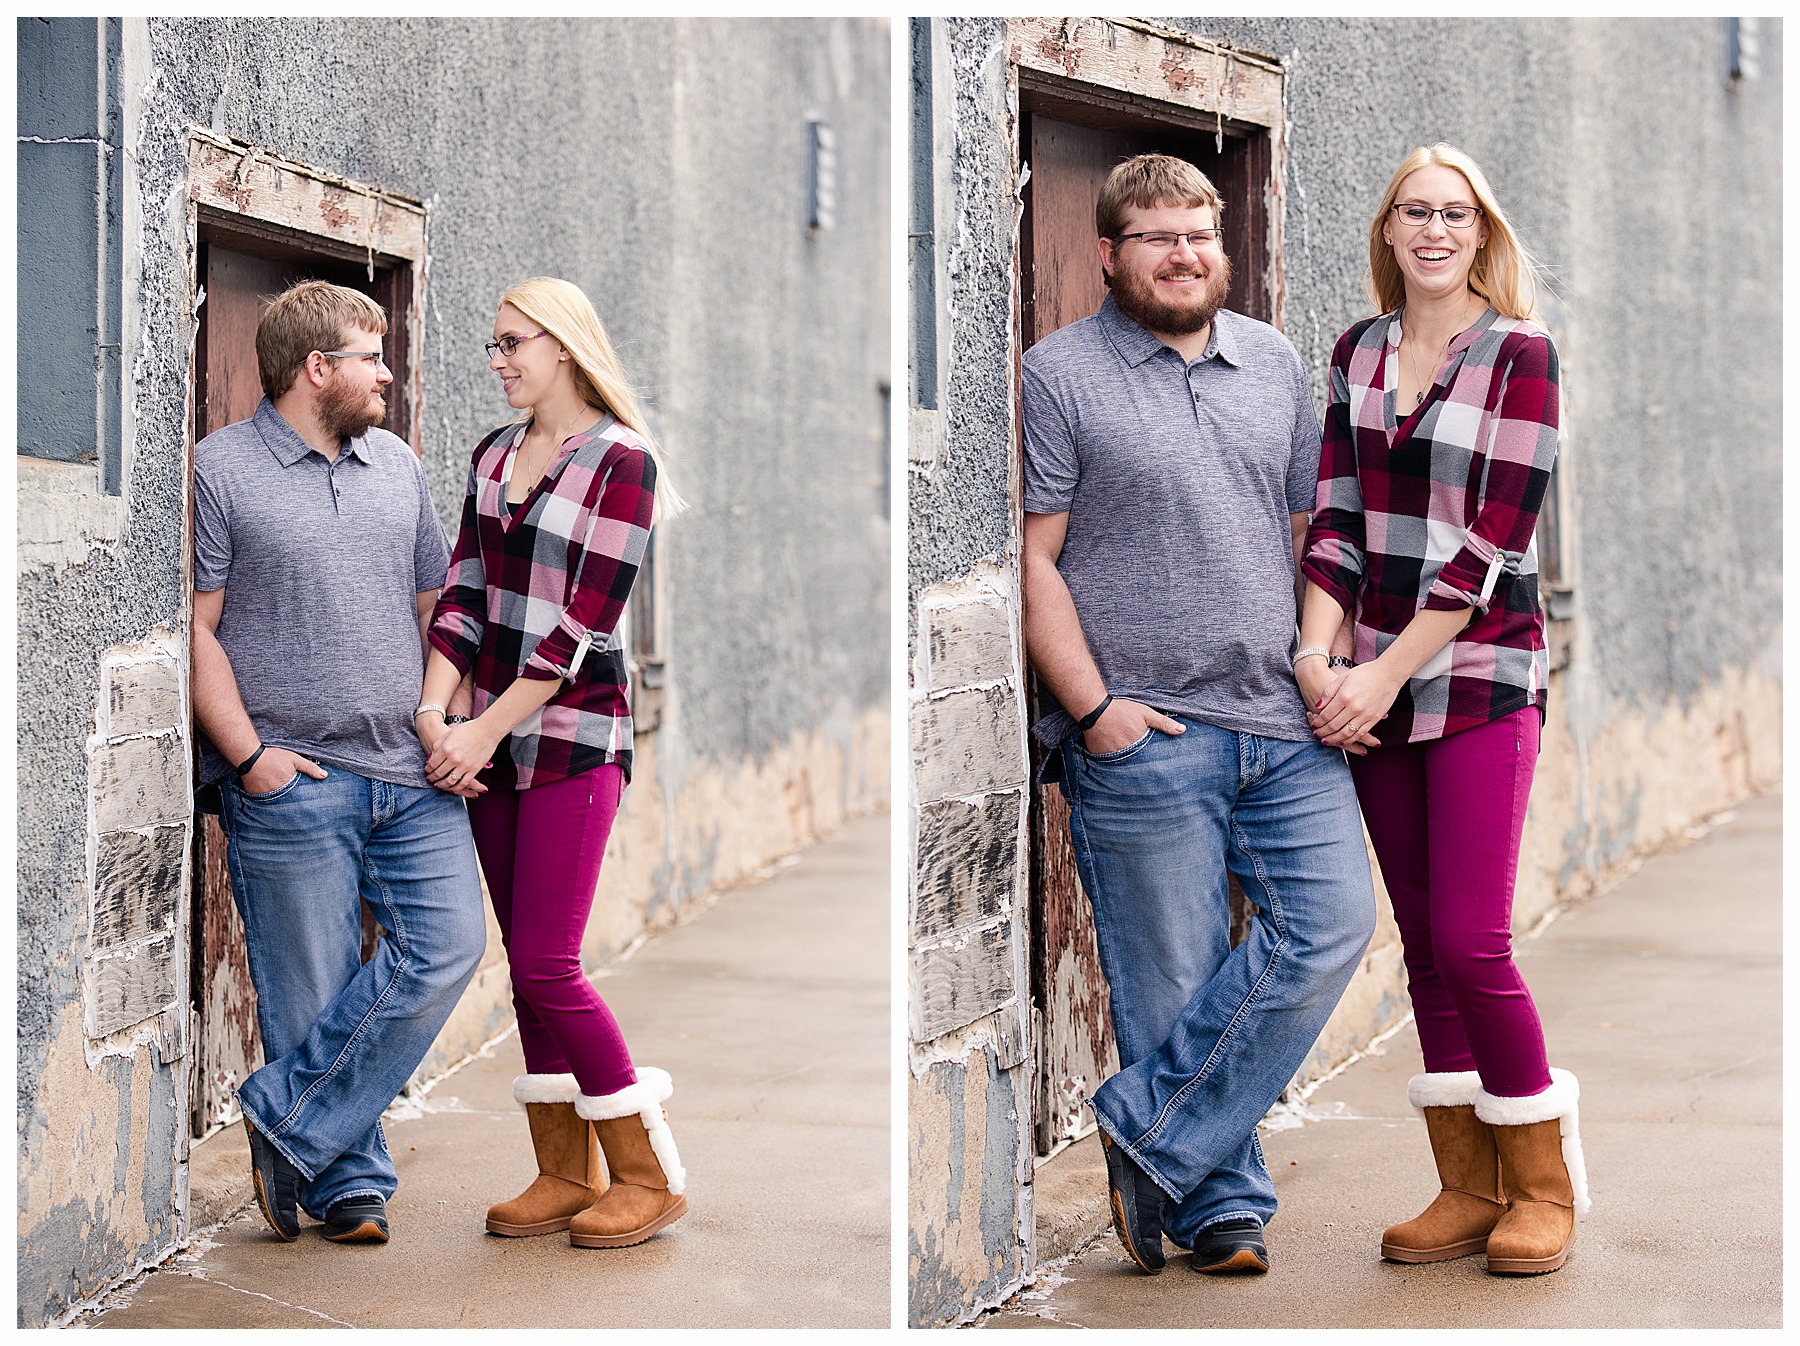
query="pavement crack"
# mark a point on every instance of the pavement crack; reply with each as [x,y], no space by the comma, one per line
[258,1294]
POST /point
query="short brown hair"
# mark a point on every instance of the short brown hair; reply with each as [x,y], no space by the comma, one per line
[1148,181]
[314,315]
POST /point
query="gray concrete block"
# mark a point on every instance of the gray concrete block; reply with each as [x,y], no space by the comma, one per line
[968,742]
[970,862]
[142,698]
[968,643]
[139,783]
[127,989]
[957,983]
[137,886]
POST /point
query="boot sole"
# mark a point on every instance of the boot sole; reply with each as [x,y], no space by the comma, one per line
[1444,1253]
[513,1231]
[1530,1266]
[635,1236]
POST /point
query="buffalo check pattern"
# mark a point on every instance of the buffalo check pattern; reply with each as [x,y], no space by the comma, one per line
[536,590]
[1438,509]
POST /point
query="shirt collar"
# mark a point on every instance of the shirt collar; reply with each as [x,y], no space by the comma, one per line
[1136,345]
[285,443]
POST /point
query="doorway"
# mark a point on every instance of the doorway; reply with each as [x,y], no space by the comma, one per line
[240,269]
[1071,136]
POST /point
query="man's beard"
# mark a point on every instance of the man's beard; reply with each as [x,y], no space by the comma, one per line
[1135,294]
[346,413]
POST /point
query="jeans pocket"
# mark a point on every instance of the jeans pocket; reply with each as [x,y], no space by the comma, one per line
[1122,753]
[274,794]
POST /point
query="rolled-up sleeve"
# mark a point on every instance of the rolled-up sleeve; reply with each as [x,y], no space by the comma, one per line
[615,536]
[1336,538]
[1519,453]
[461,613]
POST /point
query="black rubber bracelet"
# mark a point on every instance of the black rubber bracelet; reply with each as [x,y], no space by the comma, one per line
[250,761]
[1092,718]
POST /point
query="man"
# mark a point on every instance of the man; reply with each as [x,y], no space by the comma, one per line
[317,559]
[1171,449]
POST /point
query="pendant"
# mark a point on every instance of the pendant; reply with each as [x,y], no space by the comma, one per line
[1418,400]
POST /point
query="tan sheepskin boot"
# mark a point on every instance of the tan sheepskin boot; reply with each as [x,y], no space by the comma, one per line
[645,1193]
[1459,1218]
[569,1178]
[1544,1174]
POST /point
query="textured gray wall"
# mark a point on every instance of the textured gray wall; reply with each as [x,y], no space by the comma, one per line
[661,166]
[957,513]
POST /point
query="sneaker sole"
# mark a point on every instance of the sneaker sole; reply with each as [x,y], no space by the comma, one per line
[366,1232]
[636,1236]
[1243,1260]
[262,1202]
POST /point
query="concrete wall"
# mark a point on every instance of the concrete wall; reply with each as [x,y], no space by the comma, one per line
[661,165]
[1649,183]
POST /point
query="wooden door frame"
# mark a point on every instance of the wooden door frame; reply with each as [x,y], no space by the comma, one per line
[1090,70]
[244,197]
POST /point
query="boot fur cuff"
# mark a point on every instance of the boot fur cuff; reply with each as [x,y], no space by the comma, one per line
[1558,1102]
[645,1098]
[545,1089]
[1444,1089]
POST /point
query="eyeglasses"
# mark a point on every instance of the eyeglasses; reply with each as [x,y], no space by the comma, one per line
[1457,217]
[1159,242]
[506,345]
[370,358]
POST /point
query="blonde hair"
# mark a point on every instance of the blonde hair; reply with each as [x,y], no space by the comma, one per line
[314,315]
[566,313]
[1504,273]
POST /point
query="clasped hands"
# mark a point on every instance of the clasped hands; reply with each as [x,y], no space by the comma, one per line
[1344,705]
[454,753]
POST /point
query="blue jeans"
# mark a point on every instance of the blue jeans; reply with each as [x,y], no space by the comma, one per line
[1210,1035]
[342,1037]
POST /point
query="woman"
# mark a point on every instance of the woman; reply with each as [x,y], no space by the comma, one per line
[554,527]
[1439,440]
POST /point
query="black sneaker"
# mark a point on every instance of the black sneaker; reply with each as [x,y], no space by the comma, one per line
[357,1219]
[1232,1246]
[1137,1207]
[277,1184]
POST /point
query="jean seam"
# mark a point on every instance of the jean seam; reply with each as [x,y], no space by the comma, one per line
[1251,997]
[386,993]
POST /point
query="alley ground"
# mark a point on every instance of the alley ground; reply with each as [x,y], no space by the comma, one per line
[1663,995]
[770,1010]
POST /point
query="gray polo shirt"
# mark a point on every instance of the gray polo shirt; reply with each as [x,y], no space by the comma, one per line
[321,563]
[1178,481]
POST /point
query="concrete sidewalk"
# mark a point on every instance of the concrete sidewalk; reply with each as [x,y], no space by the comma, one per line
[770,1010]
[1663,995]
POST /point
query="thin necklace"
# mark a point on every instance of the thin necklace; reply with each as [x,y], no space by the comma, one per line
[1443,350]
[558,442]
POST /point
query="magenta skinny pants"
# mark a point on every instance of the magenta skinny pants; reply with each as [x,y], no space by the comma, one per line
[1445,817]
[540,852]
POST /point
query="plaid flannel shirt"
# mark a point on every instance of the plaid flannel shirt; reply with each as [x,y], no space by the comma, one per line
[536,590]
[1439,510]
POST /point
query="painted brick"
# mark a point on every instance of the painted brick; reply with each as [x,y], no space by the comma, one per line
[139,783]
[137,886]
[967,742]
[143,698]
[127,990]
[957,983]
[969,862]
[968,643]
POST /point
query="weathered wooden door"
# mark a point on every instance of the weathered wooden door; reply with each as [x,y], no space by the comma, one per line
[227,388]
[1060,282]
